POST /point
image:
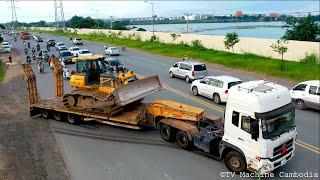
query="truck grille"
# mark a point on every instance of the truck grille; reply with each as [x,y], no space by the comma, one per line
[282,149]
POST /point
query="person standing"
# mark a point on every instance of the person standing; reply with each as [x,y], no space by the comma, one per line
[10,59]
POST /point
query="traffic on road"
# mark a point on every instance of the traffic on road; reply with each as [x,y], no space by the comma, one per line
[256,113]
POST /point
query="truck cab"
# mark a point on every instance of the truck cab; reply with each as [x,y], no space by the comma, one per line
[259,124]
[257,133]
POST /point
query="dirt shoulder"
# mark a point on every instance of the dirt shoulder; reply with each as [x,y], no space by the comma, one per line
[28,149]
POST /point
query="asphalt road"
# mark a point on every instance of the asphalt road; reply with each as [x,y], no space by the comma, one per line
[100,159]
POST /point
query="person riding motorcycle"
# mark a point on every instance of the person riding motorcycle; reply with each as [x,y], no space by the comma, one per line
[26,51]
[33,50]
[38,47]
[28,44]
[28,59]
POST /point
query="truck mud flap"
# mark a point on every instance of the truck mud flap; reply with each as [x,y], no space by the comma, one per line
[34,111]
[136,90]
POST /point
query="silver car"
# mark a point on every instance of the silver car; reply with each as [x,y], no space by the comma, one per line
[306,94]
[188,70]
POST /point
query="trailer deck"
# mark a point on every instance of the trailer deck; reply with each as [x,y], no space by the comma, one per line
[128,118]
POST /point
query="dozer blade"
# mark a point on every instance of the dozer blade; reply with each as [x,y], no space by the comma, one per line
[136,90]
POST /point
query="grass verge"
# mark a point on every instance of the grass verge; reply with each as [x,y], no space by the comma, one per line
[307,69]
[1,70]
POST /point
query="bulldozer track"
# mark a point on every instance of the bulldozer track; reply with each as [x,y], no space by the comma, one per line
[122,139]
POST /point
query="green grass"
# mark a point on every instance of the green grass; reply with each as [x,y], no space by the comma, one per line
[298,71]
[1,70]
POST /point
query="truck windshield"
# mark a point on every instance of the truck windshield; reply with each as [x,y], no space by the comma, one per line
[272,128]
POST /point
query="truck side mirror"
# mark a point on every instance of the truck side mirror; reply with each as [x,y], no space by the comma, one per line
[254,129]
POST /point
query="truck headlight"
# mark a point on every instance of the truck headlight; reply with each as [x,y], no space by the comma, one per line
[265,167]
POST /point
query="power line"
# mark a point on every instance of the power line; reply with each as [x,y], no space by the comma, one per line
[13,13]
[59,14]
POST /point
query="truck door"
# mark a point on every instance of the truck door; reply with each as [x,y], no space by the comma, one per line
[250,147]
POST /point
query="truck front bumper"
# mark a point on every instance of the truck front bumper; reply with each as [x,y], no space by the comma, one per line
[266,165]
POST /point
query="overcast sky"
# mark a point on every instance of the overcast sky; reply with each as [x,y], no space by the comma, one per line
[31,11]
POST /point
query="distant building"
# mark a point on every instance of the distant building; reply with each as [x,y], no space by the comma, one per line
[238,14]
[273,15]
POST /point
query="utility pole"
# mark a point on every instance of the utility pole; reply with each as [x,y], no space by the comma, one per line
[59,14]
[187,18]
[111,21]
[152,19]
[13,14]
[97,11]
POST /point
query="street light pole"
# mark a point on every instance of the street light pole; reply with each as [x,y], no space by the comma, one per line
[152,20]
[187,18]
[111,20]
[97,10]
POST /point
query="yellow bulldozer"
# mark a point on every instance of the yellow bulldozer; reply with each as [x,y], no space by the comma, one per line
[97,88]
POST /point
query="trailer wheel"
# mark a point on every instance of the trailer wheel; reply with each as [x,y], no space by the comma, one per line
[57,116]
[166,132]
[73,119]
[45,114]
[183,139]
[235,162]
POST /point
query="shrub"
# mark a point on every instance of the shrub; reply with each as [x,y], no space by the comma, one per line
[197,44]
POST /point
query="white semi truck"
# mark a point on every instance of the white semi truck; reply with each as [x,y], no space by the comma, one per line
[258,131]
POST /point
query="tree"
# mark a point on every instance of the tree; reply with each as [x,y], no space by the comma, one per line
[279,47]
[302,29]
[230,40]
[174,36]
[2,26]
[141,29]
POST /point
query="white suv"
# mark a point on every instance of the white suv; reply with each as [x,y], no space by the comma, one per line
[77,41]
[188,70]
[214,87]
[306,94]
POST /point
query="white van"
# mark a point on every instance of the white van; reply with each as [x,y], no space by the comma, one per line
[188,70]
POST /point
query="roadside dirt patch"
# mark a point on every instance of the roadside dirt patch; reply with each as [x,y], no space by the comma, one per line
[28,149]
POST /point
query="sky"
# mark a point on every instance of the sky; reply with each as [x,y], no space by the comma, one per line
[33,11]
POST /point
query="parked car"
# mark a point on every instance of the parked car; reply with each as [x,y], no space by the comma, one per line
[112,51]
[66,56]
[51,42]
[62,48]
[77,41]
[214,87]
[59,44]
[74,50]
[306,94]
[112,63]
[188,70]
[84,52]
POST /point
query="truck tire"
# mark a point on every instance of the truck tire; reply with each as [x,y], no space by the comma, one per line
[235,162]
[183,140]
[45,114]
[73,119]
[57,116]
[166,132]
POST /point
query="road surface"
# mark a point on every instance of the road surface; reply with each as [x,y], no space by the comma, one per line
[102,159]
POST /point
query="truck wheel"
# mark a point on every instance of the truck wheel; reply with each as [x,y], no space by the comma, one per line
[57,116]
[166,132]
[183,139]
[171,74]
[235,162]
[72,119]
[300,104]
[216,98]
[195,90]
[45,114]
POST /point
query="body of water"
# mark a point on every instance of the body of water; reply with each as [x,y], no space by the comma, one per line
[269,30]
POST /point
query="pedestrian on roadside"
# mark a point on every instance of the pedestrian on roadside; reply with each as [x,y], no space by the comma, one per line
[49,61]
[10,59]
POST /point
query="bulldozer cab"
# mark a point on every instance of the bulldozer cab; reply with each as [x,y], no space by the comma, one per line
[91,69]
